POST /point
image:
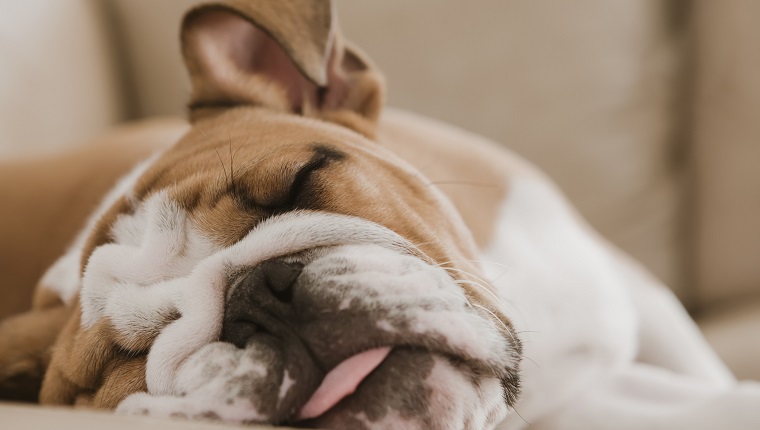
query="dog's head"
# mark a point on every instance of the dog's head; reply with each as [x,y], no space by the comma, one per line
[277,264]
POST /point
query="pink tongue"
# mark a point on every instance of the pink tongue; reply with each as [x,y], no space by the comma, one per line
[342,381]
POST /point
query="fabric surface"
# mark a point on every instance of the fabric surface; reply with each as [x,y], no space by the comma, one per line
[733,332]
[727,151]
[58,79]
[33,418]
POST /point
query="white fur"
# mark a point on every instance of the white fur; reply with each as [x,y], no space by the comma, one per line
[576,322]
[64,276]
[389,280]
[188,407]
[287,384]
[479,405]
[587,317]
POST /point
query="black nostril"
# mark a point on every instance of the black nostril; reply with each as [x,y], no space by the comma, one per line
[279,277]
[260,301]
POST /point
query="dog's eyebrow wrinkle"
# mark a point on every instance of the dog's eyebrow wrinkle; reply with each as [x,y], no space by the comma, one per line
[212,104]
[323,155]
[328,152]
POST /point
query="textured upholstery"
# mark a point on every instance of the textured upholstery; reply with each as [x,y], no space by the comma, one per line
[58,74]
[727,150]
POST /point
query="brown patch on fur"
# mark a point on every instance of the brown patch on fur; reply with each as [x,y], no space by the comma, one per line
[25,343]
[79,359]
[45,299]
[350,120]
[225,222]
[125,372]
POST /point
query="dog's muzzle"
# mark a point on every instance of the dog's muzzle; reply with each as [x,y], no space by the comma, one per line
[312,319]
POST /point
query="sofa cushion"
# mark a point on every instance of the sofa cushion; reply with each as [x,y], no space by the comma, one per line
[149,35]
[58,82]
[34,417]
[727,151]
[733,332]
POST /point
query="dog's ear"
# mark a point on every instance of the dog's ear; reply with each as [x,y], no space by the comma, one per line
[284,54]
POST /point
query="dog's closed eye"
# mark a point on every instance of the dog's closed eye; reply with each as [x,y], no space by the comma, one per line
[300,190]
[280,184]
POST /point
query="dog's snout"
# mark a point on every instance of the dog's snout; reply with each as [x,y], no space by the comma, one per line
[260,301]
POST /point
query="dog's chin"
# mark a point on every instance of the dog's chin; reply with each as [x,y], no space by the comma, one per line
[410,388]
[414,389]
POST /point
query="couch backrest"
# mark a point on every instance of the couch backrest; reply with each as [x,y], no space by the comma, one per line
[726,151]
[59,80]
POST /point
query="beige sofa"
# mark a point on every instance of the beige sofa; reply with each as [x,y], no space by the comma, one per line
[643,111]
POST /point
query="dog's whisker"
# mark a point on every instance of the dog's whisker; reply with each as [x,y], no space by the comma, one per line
[518,414]
[483,287]
[229,150]
[421,170]
[466,183]
[459,298]
[232,162]
[510,268]
[525,357]
[477,282]
[426,243]
[224,168]
[500,275]
[504,326]
[467,273]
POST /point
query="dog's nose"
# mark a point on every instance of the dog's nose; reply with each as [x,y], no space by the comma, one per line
[260,301]
[278,277]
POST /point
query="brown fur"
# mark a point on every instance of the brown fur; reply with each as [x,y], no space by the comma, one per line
[250,137]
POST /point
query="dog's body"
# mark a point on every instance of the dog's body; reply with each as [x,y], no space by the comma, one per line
[294,237]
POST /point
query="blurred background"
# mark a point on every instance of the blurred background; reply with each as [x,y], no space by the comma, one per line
[646,113]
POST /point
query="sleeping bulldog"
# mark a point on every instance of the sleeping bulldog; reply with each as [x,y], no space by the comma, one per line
[302,257]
